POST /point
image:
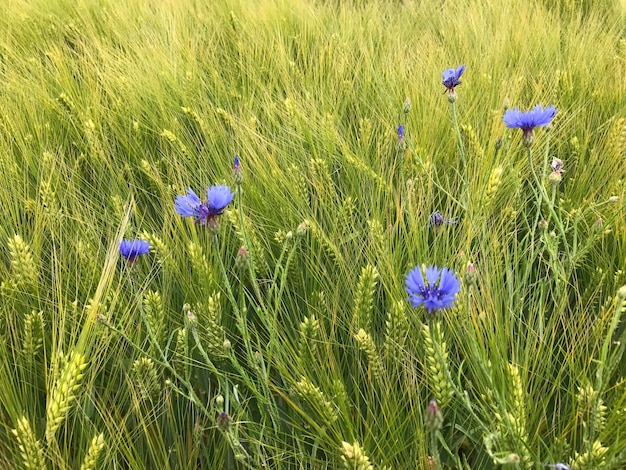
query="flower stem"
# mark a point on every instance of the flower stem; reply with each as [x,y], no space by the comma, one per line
[461,153]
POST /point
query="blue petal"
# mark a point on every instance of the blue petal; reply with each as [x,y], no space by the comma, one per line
[218,197]
[432,275]
[187,205]
[415,281]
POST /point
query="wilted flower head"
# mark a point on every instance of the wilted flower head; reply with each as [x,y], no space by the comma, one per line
[528,120]
[452,77]
[218,197]
[223,421]
[437,220]
[557,165]
[131,249]
[438,292]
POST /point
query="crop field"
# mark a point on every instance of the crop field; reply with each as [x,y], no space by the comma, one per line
[340,234]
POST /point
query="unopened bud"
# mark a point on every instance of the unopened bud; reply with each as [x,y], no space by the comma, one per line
[219,401]
[470,275]
[302,229]
[242,261]
[613,199]
[621,293]
[192,320]
[554,178]
[498,142]
[238,171]
[406,107]
[433,419]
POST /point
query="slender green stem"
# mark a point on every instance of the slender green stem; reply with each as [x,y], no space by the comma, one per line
[543,194]
[434,448]
[461,154]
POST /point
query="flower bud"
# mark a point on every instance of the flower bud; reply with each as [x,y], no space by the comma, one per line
[554,178]
[498,142]
[192,320]
[433,418]
[238,172]
[471,276]
[613,199]
[242,261]
[302,229]
[219,401]
[406,107]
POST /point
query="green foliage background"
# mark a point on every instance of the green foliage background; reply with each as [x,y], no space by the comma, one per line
[108,110]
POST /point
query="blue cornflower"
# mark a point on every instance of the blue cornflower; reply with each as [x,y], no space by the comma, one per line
[190,205]
[437,293]
[238,171]
[528,120]
[452,77]
[131,249]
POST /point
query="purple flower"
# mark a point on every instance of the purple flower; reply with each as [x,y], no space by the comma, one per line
[451,77]
[131,249]
[218,197]
[438,292]
[528,120]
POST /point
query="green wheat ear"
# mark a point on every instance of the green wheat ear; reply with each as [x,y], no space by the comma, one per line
[437,362]
[93,453]
[64,392]
[354,458]
[366,344]
[316,399]
[155,313]
[24,269]
[364,298]
[590,459]
[396,331]
[30,448]
[145,378]
[33,335]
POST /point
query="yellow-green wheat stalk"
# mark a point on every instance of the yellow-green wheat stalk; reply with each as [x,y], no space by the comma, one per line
[591,459]
[437,363]
[316,399]
[64,392]
[366,344]
[90,462]
[354,458]
[30,448]
[364,298]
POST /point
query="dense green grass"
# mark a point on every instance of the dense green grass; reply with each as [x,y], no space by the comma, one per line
[108,110]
